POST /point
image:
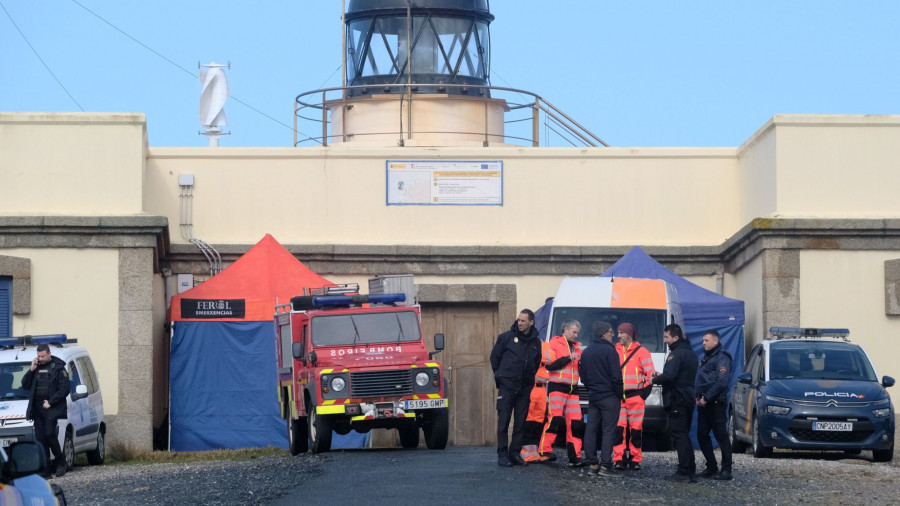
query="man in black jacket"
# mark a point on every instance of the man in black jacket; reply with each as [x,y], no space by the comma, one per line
[47,383]
[713,380]
[677,380]
[515,360]
[601,374]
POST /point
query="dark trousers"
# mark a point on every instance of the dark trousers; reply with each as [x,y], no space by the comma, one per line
[512,404]
[46,432]
[679,427]
[714,417]
[603,417]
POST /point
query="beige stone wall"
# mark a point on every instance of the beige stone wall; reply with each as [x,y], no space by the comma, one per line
[75,292]
[846,289]
[72,163]
[838,166]
[597,196]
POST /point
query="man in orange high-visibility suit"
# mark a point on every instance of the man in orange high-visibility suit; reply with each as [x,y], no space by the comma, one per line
[561,360]
[637,368]
[537,415]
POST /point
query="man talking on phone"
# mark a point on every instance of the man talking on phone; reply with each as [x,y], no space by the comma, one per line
[47,383]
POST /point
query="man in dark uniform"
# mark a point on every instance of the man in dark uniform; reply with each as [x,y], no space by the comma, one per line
[515,360]
[47,383]
[713,380]
[677,380]
[601,374]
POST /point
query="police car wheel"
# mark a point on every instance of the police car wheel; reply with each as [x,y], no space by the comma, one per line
[883,455]
[737,446]
[97,456]
[759,449]
[69,451]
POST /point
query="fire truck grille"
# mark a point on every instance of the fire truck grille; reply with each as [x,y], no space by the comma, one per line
[381,383]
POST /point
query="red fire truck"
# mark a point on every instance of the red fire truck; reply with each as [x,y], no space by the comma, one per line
[357,362]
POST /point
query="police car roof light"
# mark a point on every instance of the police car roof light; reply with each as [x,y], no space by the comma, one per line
[808,332]
[34,340]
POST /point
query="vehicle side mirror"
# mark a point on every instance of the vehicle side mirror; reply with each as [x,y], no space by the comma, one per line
[25,458]
[887,381]
[80,392]
[438,345]
[745,378]
[297,350]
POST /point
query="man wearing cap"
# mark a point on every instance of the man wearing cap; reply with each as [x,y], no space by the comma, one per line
[515,360]
[637,371]
[602,376]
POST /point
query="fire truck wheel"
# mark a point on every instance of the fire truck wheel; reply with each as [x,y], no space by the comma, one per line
[409,436]
[319,431]
[297,436]
[436,429]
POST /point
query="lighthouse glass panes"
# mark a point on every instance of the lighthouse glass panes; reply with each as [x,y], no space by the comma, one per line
[444,50]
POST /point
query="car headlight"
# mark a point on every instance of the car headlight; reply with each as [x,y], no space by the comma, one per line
[422,379]
[777,410]
[881,413]
[338,384]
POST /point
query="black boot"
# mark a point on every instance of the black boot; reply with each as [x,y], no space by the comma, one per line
[517,460]
[61,469]
[503,459]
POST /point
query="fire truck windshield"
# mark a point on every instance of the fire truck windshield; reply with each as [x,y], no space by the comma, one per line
[365,328]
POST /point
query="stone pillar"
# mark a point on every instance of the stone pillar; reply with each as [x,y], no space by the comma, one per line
[781,289]
[892,287]
[133,425]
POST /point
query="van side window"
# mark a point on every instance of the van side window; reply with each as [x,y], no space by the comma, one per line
[74,379]
[89,376]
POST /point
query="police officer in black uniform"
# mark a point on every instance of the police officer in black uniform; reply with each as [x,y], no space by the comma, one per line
[515,360]
[677,380]
[713,380]
[47,383]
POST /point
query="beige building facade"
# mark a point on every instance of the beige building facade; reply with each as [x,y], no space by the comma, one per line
[800,222]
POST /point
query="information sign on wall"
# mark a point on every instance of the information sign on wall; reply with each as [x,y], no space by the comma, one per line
[445,182]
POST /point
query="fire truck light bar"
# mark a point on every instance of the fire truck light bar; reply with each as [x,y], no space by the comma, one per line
[309,302]
[800,332]
[32,340]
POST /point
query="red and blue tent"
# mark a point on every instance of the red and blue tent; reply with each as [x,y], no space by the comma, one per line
[222,365]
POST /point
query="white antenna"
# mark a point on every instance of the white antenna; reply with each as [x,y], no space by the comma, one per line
[212,101]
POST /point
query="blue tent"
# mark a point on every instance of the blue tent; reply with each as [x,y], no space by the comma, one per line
[703,309]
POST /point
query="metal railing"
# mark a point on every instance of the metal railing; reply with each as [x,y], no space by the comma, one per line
[523,109]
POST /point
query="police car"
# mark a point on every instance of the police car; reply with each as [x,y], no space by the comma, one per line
[20,480]
[84,430]
[811,389]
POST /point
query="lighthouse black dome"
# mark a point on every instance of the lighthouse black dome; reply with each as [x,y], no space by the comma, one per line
[450,43]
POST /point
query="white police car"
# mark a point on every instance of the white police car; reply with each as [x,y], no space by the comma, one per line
[811,389]
[84,430]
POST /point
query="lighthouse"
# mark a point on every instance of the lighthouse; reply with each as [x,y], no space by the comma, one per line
[416,73]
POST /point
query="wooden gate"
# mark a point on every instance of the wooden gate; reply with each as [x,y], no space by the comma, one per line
[470,331]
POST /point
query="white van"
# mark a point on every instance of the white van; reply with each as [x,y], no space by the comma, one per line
[84,430]
[648,304]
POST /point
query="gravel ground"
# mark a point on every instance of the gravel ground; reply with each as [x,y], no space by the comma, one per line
[784,479]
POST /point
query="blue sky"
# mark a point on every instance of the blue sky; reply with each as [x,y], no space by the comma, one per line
[636,73]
